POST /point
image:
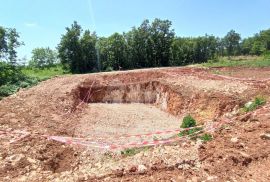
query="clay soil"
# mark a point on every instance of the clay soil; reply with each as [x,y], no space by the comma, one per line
[103,106]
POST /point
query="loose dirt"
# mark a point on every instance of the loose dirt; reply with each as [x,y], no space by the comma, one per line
[105,105]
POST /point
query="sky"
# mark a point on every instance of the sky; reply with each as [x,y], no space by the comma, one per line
[42,22]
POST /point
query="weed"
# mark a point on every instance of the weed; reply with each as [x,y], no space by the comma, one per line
[206,137]
[258,101]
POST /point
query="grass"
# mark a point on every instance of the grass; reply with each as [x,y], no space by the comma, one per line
[248,61]
[43,74]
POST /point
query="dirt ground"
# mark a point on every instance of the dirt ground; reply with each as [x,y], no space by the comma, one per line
[104,106]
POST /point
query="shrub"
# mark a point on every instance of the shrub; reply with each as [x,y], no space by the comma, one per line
[6,90]
[188,122]
[108,69]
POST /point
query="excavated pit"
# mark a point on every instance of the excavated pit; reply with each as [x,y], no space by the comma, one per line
[173,100]
[115,105]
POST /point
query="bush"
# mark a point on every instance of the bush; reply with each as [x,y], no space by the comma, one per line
[188,122]
[6,90]
[108,69]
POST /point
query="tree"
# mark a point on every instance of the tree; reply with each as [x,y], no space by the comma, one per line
[12,44]
[78,53]
[149,44]
[89,52]
[232,43]
[3,42]
[69,50]
[161,39]
[265,38]
[43,57]
[118,52]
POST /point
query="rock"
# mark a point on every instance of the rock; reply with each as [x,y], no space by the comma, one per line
[245,117]
[265,136]
[133,169]
[211,178]
[248,104]
[142,169]
[14,159]
[234,139]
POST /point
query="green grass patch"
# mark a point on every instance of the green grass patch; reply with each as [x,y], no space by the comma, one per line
[263,61]
[43,74]
[252,105]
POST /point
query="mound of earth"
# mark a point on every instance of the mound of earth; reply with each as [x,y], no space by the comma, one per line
[103,106]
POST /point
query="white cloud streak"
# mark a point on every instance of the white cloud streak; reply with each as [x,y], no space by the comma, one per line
[31,24]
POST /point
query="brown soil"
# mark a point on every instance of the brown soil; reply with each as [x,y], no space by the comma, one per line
[105,105]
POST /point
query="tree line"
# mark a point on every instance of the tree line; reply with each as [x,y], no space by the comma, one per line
[152,44]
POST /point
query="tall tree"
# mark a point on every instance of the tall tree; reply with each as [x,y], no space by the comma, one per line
[78,53]
[12,44]
[232,43]
[69,49]
[3,42]
[161,39]
[89,52]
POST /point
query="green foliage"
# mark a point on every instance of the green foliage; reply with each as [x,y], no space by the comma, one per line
[9,42]
[6,90]
[188,121]
[11,79]
[3,42]
[206,137]
[258,101]
[249,62]
[43,74]
[43,57]
[232,43]
[78,53]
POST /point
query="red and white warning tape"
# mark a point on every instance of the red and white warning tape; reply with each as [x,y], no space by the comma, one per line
[90,142]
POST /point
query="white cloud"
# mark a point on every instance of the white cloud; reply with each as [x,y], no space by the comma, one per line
[30,24]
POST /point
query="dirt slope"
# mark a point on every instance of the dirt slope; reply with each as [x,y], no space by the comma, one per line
[105,105]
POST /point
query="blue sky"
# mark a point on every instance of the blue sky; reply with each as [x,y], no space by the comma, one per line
[41,22]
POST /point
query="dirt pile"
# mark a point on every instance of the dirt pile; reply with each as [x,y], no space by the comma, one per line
[105,105]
